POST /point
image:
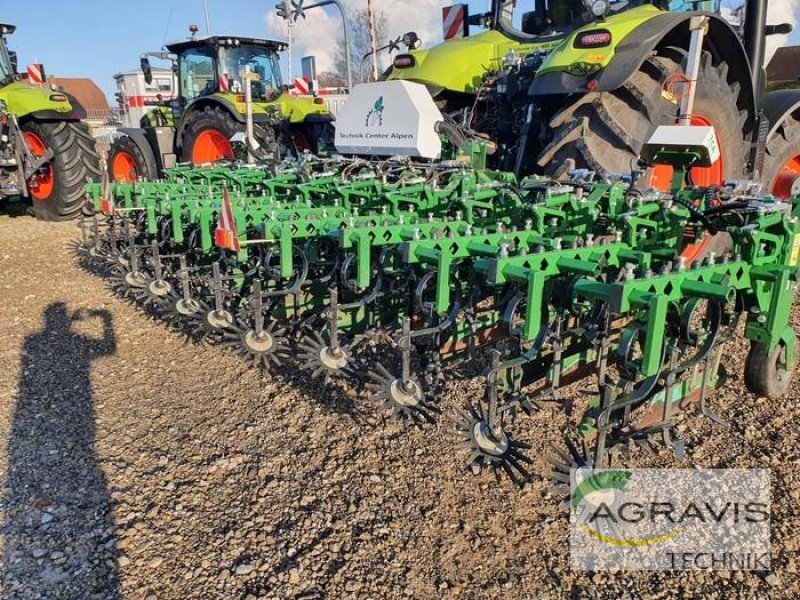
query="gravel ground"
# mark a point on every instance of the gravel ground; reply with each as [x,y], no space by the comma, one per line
[137,465]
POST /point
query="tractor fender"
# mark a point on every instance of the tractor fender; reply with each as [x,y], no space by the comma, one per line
[53,115]
[139,137]
[668,29]
[778,105]
[201,104]
[78,111]
[319,119]
[77,107]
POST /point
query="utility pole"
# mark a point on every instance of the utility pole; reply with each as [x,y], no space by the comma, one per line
[373,38]
[290,25]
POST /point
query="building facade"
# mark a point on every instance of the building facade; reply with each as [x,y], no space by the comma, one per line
[136,97]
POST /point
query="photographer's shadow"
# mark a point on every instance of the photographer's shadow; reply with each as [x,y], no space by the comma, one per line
[58,522]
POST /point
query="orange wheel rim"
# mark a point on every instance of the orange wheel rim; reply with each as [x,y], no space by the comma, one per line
[661,175]
[123,168]
[715,174]
[211,146]
[787,182]
[41,185]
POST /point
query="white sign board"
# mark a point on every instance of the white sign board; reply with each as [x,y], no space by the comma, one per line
[389,118]
[684,138]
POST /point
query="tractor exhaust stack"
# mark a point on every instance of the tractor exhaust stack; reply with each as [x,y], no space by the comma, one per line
[755,28]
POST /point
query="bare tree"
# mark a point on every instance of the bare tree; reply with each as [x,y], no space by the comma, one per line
[329,79]
[359,46]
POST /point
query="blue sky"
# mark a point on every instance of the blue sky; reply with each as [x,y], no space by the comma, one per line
[98,38]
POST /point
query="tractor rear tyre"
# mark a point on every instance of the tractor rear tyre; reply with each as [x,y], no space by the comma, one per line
[128,164]
[57,190]
[781,175]
[768,374]
[207,134]
[605,132]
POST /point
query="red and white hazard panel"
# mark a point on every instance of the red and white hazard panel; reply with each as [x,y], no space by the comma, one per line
[36,73]
[454,21]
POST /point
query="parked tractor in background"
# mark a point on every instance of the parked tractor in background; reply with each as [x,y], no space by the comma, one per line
[210,109]
[555,85]
[46,153]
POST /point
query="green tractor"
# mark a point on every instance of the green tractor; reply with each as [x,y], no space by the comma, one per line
[46,152]
[556,85]
[210,110]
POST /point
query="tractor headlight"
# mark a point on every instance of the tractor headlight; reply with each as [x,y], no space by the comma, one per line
[598,8]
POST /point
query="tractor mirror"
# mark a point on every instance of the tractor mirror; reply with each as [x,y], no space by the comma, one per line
[147,70]
[780,29]
[12,57]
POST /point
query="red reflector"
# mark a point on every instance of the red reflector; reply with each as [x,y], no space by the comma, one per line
[593,39]
[58,98]
[319,101]
[240,98]
[404,61]
[591,85]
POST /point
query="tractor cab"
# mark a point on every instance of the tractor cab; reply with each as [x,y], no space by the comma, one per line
[543,18]
[218,64]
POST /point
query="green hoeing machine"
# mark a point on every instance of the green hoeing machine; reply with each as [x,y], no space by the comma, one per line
[400,277]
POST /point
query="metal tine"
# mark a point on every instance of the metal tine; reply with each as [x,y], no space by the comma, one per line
[216,281]
[96,227]
[183,277]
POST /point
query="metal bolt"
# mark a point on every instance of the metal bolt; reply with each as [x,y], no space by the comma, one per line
[630,271]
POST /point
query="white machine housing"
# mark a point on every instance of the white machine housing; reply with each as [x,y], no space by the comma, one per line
[682,138]
[389,118]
